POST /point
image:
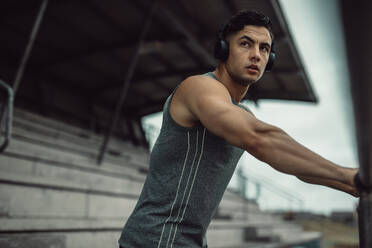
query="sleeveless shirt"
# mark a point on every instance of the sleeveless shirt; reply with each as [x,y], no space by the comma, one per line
[189,171]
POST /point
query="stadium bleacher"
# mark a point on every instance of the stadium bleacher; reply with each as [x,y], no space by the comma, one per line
[54,194]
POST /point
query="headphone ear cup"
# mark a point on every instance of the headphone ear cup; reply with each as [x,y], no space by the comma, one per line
[221,50]
[270,62]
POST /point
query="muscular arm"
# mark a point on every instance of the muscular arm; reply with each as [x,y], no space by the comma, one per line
[209,101]
[331,183]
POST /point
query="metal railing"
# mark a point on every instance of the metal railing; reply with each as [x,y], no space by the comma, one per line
[262,183]
[6,116]
[18,78]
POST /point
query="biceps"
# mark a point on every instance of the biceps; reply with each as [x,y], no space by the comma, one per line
[228,121]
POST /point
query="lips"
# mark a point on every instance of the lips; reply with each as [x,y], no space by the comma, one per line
[253,67]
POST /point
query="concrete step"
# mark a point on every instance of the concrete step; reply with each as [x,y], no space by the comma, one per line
[39,133]
[230,205]
[78,239]
[15,186]
[221,234]
[60,129]
[237,208]
[38,154]
[253,217]
[58,225]
[104,223]
[57,125]
[53,194]
[33,196]
[63,144]
[234,206]
[237,203]
[25,168]
[300,241]
[48,240]
[240,234]
[108,239]
[231,224]
[104,185]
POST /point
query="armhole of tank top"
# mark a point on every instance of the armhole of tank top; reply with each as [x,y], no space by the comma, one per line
[169,101]
[245,108]
[170,118]
[210,74]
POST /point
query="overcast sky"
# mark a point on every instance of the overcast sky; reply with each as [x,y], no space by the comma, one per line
[327,127]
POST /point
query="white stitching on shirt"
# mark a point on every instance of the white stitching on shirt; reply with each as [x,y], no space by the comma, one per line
[192,185]
[187,185]
[179,183]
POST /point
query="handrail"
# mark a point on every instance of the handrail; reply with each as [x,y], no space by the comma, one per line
[8,125]
[276,189]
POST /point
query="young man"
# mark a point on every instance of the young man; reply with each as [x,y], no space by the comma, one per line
[204,132]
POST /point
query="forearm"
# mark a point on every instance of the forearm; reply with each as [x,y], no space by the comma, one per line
[331,183]
[284,154]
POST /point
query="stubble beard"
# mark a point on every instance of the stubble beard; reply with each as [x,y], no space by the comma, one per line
[240,79]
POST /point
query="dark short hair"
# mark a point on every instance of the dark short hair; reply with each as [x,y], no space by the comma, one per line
[245,17]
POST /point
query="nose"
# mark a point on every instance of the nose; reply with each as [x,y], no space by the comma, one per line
[255,55]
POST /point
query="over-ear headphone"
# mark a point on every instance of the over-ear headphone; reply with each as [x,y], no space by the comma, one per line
[221,51]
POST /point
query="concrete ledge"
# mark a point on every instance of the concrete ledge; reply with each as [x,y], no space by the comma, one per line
[78,145]
[223,224]
[305,237]
[26,225]
[67,152]
[81,239]
[60,129]
[128,189]
[68,173]
[18,201]
[297,240]
[33,135]
[40,154]
[84,224]
[33,241]
[57,125]
[221,234]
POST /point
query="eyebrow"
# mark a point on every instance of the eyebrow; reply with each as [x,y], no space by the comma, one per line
[252,40]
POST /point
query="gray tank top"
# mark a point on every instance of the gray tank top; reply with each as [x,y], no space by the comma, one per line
[189,171]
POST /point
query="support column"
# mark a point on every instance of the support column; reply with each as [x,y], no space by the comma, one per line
[365,217]
[357,23]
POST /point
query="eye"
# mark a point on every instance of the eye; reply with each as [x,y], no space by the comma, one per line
[265,49]
[244,43]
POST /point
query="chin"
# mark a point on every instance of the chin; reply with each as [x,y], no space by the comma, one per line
[243,78]
[247,80]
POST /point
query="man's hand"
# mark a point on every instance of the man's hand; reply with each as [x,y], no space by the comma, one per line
[351,189]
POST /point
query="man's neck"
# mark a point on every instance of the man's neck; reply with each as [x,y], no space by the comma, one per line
[236,90]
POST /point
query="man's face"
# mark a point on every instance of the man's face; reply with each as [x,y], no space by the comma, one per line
[249,53]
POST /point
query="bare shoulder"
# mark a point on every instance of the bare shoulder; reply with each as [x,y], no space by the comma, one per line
[190,91]
[203,82]
[201,86]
